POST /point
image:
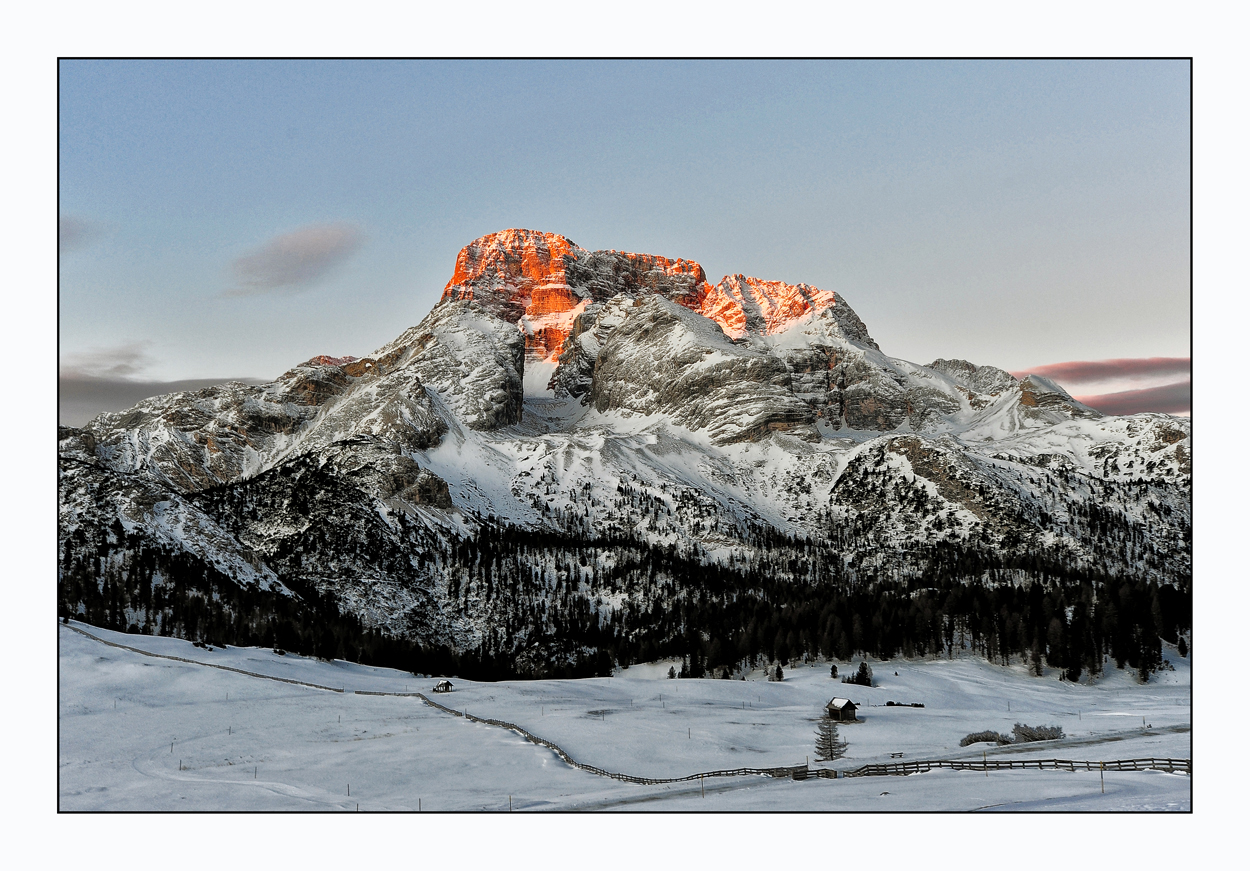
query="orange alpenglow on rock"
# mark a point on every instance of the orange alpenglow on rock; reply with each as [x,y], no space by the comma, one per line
[326,360]
[521,276]
[543,281]
[741,304]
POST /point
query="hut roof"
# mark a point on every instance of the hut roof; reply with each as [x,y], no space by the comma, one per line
[840,703]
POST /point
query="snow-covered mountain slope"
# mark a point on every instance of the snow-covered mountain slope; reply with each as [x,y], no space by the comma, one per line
[570,440]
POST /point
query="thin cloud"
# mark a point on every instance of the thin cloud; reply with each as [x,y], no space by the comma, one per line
[295,260]
[81,397]
[1169,399]
[1093,371]
[103,379]
[120,361]
[73,233]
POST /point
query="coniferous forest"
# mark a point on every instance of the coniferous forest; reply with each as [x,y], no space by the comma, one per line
[557,604]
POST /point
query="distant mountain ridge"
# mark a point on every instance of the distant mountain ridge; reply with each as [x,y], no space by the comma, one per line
[606,403]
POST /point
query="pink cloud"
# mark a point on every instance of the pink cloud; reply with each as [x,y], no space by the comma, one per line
[73,233]
[1093,371]
[1169,399]
[294,260]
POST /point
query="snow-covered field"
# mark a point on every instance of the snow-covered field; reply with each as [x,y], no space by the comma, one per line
[143,733]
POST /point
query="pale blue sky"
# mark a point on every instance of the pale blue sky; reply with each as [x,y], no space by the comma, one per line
[1016,214]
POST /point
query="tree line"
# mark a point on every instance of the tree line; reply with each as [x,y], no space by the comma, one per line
[555,604]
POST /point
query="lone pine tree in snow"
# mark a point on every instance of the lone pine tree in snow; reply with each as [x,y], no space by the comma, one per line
[828,744]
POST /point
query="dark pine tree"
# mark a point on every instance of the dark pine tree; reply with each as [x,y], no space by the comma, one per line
[828,745]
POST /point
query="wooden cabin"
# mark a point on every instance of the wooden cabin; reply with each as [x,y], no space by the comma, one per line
[443,686]
[842,710]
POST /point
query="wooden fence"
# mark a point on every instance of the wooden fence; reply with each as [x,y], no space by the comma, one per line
[802,772]
[904,768]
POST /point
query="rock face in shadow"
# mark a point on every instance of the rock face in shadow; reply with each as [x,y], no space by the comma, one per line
[664,359]
[195,440]
[981,379]
[474,361]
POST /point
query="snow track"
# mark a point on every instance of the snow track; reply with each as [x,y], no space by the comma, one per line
[206,664]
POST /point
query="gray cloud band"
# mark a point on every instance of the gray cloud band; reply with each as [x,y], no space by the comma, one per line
[1168,399]
[82,397]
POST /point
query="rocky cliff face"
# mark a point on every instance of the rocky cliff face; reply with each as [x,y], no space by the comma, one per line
[663,359]
[564,300]
[472,360]
[542,282]
[723,427]
[743,306]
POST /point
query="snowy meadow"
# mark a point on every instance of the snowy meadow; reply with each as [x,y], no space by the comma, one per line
[151,733]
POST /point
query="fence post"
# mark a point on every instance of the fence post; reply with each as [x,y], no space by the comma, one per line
[1102,783]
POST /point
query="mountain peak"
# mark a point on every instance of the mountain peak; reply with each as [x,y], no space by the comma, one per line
[513,268]
[543,281]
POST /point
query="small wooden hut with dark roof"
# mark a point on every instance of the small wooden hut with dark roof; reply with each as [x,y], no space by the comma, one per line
[842,710]
[443,686]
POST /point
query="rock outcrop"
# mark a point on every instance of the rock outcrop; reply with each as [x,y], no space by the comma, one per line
[474,361]
[743,306]
[663,359]
[543,281]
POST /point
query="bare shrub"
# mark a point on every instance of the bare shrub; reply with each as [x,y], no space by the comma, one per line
[1023,734]
[979,737]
